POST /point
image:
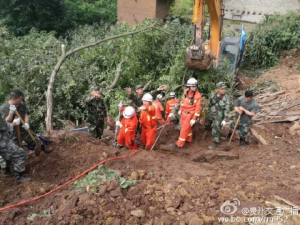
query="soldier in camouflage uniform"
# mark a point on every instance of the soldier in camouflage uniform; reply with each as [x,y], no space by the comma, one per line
[10,151]
[8,109]
[219,109]
[96,113]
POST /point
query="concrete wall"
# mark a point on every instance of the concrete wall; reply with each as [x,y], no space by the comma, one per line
[135,11]
[254,10]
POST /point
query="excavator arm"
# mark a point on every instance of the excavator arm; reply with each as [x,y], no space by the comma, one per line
[201,54]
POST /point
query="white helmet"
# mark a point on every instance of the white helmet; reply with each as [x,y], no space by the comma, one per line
[192,82]
[128,112]
[172,94]
[147,97]
[159,96]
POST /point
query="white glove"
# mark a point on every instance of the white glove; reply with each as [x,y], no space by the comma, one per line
[119,124]
[26,126]
[192,122]
[120,105]
[179,112]
[171,115]
[17,121]
[223,123]
[12,108]
[142,108]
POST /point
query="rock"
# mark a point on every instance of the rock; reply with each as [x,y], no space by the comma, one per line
[134,175]
[118,173]
[142,174]
[211,204]
[104,154]
[195,221]
[42,190]
[102,189]
[116,193]
[112,185]
[189,216]
[208,220]
[138,213]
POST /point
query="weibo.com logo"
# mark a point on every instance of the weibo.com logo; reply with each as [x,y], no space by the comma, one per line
[230,207]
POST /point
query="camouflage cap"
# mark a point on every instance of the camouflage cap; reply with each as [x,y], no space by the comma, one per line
[221,85]
[92,88]
[139,86]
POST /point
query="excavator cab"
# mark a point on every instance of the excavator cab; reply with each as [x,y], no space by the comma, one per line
[231,54]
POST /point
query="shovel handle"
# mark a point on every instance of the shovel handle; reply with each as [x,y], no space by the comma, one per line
[22,121]
[236,123]
[19,136]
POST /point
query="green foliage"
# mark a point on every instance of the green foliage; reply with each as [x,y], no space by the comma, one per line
[93,178]
[159,55]
[182,8]
[273,35]
[20,16]
[45,213]
[92,11]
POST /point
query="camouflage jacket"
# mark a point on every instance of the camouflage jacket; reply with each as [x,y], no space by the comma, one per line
[22,110]
[4,129]
[96,110]
[219,107]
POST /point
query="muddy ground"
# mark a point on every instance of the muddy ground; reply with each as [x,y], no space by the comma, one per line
[181,187]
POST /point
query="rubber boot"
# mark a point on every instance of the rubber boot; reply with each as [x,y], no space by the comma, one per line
[21,178]
[242,142]
[213,146]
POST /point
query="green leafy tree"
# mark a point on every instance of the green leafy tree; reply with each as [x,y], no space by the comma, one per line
[22,15]
[92,11]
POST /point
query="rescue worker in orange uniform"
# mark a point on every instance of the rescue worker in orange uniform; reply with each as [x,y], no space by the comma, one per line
[189,111]
[127,129]
[159,109]
[148,121]
[170,105]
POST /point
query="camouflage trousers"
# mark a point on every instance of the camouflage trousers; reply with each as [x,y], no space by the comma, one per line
[242,127]
[96,130]
[14,154]
[24,137]
[2,163]
[214,123]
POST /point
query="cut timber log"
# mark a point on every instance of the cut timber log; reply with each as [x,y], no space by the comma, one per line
[286,113]
[258,137]
[211,156]
[294,128]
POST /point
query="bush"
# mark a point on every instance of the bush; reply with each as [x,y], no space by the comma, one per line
[273,35]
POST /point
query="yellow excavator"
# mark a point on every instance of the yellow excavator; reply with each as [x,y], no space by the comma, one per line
[215,50]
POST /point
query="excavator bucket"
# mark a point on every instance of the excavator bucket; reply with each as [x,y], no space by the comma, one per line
[198,58]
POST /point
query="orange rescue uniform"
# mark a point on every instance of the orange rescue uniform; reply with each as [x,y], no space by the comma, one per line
[158,109]
[127,132]
[190,109]
[148,125]
[170,105]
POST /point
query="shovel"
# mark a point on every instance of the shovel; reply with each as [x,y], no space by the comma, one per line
[19,136]
[228,147]
[37,149]
[117,127]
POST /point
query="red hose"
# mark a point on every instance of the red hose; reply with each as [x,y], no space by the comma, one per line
[70,181]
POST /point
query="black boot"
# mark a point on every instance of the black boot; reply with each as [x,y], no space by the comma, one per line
[45,149]
[242,142]
[7,172]
[229,136]
[21,178]
[213,146]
